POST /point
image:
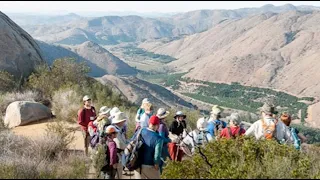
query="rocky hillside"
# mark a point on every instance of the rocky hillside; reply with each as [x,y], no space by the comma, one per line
[136,89]
[115,29]
[272,50]
[19,53]
[100,60]
[103,59]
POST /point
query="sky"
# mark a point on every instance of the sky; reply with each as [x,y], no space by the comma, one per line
[134,6]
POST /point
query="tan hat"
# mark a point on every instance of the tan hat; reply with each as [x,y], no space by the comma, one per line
[86,98]
[119,117]
[268,109]
[104,110]
[162,113]
[215,110]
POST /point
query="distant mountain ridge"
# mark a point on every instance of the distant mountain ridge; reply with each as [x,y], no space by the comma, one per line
[117,29]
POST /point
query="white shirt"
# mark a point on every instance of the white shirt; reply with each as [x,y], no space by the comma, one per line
[196,134]
[144,120]
[282,131]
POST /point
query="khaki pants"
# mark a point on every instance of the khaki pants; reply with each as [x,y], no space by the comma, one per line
[119,171]
[147,172]
[86,138]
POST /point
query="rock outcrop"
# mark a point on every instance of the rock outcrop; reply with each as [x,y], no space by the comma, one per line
[19,53]
[21,113]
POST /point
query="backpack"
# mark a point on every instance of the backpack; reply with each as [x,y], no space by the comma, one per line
[202,135]
[268,131]
[234,136]
[296,139]
[94,140]
[84,114]
[130,157]
[219,125]
[106,165]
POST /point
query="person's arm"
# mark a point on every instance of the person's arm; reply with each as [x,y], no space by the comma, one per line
[223,132]
[113,153]
[251,129]
[158,152]
[165,140]
[211,129]
[80,117]
[137,119]
[302,137]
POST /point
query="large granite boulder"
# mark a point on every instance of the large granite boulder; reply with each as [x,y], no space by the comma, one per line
[21,113]
[20,54]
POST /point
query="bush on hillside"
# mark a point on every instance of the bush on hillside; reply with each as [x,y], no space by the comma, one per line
[246,158]
[65,104]
[7,82]
[63,73]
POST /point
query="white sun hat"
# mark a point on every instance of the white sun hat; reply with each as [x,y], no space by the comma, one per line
[119,117]
[202,124]
[162,113]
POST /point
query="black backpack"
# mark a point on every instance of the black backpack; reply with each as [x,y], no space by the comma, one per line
[106,166]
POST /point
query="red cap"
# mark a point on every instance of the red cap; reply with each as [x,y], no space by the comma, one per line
[154,120]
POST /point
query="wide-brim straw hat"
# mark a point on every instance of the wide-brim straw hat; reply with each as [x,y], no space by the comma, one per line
[215,110]
[119,117]
[104,110]
[162,113]
[268,109]
[180,113]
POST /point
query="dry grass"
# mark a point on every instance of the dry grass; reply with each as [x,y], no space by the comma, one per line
[46,157]
[65,104]
[7,98]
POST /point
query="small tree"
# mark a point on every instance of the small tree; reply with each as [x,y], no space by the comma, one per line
[7,82]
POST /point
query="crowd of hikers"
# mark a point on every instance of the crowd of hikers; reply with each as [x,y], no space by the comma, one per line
[155,140]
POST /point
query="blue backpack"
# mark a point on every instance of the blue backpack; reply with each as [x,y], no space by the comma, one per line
[130,157]
[296,139]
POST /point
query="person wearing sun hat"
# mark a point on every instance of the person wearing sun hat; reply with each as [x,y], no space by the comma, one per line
[151,151]
[268,127]
[198,137]
[179,124]
[102,120]
[85,116]
[215,125]
[144,119]
[177,132]
[109,170]
[164,133]
[118,122]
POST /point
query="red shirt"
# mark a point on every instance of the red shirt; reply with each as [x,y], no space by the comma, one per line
[234,131]
[90,124]
[89,115]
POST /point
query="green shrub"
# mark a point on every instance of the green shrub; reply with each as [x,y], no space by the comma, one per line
[245,158]
[64,73]
[7,82]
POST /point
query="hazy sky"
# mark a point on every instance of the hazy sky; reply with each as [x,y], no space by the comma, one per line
[137,6]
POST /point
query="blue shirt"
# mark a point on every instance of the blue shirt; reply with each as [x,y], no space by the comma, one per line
[151,149]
